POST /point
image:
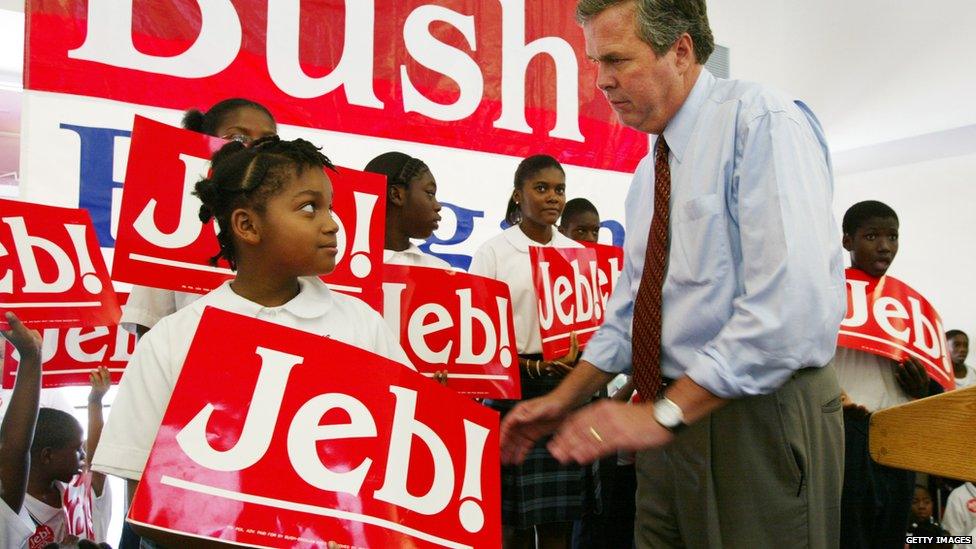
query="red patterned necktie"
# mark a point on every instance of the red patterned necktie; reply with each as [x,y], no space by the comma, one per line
[647,307]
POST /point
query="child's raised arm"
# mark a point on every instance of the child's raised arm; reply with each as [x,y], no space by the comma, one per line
[100,380]
[17,430]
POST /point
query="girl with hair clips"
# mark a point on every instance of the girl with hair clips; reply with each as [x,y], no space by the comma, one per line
[412,209]
[236,119]
[540,498]
[272,203]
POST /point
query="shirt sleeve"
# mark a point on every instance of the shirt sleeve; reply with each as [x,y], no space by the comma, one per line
[137,412]
[791,297]
[610,348]
[954,519]
[147,306]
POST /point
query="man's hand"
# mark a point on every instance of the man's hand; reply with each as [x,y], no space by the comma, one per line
[604,428]
[912,377]
[100,380]
[26,341]
[527,423]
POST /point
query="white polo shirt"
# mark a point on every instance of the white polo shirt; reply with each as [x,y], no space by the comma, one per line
[56,518]
[413,257]
[152,372]
[868,379]
[147,306]
[506,258]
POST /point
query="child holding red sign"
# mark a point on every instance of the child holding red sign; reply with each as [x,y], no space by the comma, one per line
[876,499]
[65,499]
[412,211]
[17,435]
[580,221]
[272,203]
[540,498]
[240,120]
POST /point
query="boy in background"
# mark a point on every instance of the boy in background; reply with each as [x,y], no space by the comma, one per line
[876,499]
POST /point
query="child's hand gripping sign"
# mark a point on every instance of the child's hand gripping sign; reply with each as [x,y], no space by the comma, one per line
[51,269]
[281,438]
[163,244]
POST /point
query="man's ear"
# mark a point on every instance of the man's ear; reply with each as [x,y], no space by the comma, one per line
[396,195]
[684,52]
[245,225]
[848,242]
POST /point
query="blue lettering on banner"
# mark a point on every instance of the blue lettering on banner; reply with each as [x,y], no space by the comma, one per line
[95,181]
[462,231]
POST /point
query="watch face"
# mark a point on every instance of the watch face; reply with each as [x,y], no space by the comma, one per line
[668,414]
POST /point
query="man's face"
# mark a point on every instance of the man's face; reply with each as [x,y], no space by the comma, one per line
[958,348]
[645,90]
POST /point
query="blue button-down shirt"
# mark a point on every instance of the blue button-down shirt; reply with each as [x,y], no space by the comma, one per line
[755,279]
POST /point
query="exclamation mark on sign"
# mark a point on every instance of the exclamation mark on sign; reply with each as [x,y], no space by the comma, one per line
[360,262]
[86,269]
[504,345]
[470,512]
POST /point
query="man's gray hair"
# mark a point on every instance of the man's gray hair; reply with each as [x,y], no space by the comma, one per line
[661,22]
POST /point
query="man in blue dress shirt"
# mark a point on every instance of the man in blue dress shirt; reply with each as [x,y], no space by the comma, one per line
[740,439]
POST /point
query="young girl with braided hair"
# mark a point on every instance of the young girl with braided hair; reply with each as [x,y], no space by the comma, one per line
[235,119]
[412,209]
[540,497]
[272,202]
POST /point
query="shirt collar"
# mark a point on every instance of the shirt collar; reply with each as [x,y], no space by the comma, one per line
[521,243]
[314,300]
[679,129]
[412,249]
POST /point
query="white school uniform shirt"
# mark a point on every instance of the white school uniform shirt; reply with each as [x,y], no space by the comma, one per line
[959,519]
[14,529]
[147,306]
[55,518]
[869,380]
[506,258]
[152,372]
[968,380]
[413,257]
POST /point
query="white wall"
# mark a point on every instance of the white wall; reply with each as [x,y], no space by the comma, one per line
[890,81]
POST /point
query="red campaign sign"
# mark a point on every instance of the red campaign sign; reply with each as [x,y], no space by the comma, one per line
[888,318]
[162,243]
[609,263]
[454,321]
[51,269]
[69,355]
[500,77]
[307,440]
[568,288]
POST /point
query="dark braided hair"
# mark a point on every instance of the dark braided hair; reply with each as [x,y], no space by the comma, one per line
[526,169]
[209,121]
[399,168]
[246,177]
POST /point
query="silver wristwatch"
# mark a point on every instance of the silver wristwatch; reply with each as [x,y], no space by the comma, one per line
[669,415]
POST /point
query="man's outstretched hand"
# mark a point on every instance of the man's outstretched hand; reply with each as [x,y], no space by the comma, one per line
[527,423]
[605,427]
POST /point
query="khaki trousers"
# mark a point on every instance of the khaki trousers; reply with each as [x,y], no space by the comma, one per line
[763,471]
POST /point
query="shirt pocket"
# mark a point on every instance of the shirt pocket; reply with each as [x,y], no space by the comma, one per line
[699,241]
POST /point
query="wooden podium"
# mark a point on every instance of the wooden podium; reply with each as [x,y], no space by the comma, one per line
[935,435]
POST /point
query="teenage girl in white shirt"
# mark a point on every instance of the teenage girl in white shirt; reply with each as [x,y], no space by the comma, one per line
[234,119]
[272,203]
[540,497]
